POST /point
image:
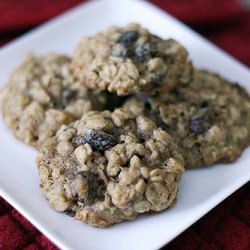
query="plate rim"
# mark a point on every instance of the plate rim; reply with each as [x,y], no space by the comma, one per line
[64,17]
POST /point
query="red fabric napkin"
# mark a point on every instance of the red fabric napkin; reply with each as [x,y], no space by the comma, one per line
[227,24]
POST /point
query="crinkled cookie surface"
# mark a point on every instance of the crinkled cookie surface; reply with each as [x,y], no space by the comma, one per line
[110,166]
[41,95]
[130,60]
[209,118]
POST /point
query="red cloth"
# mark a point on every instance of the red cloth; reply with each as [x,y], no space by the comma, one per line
[224,22]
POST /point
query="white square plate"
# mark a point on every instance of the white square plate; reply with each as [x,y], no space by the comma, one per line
[200,190]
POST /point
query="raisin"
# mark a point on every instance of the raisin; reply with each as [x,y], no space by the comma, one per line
[99,140]
[129,37]
[201,122]
[142,53]
[145,52]
[92,184]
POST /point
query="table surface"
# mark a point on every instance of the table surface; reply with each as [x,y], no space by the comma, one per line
[224,22]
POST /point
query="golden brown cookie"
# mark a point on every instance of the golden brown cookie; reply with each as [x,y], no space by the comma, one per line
[109,167]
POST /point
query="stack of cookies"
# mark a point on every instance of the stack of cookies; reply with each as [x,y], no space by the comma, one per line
[117,124]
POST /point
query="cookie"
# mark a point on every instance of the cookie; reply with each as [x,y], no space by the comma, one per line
[209,118]
[109,167]
[130,60]
[41,95]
